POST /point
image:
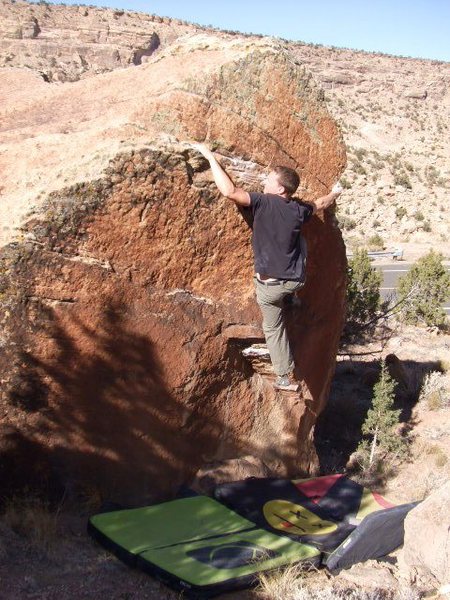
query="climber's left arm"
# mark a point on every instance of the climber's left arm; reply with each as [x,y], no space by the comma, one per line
[223,182]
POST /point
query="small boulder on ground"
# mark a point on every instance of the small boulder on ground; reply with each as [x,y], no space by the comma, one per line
[234,469]
[416,94]
[427,537]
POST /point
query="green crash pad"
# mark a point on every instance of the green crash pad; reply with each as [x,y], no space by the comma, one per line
[196,544]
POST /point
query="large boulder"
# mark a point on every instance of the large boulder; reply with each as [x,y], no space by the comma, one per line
[426,550]
[128,297]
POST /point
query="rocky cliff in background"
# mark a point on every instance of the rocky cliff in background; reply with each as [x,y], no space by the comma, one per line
[394,113]
[128,300]
[67,43]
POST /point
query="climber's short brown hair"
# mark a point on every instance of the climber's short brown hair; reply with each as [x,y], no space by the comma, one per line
[288,178]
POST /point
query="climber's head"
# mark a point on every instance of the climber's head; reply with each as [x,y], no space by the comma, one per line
[282,181]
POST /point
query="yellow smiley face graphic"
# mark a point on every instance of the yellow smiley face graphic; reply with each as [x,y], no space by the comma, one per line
[295,519]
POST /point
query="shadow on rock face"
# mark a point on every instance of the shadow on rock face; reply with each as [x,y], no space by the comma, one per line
[110,422]
[110,412]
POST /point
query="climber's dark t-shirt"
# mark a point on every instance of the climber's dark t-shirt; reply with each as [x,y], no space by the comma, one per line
[276,238]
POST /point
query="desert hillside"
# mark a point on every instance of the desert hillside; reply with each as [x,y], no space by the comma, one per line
[394,114]
[131,363]
[393,111]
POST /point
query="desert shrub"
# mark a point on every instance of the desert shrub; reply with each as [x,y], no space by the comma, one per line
[346,184]
[418,215]
[363,296]
[423,290]
[376,164]
[401,178]
[346,223]
[400,212]
[432,174]
[375,242]
[360,153]
[359,168]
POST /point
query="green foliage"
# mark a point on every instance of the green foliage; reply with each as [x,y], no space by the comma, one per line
[381,440]
[363,296]
[423,290]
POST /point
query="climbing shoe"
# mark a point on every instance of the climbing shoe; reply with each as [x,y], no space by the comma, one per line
[282,382]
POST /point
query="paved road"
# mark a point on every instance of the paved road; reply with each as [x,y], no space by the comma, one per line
[391,274]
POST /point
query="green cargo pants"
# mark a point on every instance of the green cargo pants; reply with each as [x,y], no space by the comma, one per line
[270,300]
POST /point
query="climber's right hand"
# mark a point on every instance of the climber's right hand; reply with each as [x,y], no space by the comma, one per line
[203,149]
[337,189]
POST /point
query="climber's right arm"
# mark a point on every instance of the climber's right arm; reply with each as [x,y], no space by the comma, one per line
[326,201]
[223,182]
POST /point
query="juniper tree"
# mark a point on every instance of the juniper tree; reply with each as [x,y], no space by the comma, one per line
[381,440]
[423,290]
[363,296]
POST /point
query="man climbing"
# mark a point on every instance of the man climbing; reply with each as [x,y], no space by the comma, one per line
[277,248]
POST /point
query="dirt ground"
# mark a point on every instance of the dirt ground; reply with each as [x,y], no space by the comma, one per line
[338,430]
[72,567]
[49,556]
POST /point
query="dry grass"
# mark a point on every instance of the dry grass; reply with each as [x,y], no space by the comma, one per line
[282,584]
[444,365]
[436,452]
[434,391]
[32,519]
[90,498]
[428,483]
[285,577]
[293,583]
[5,534]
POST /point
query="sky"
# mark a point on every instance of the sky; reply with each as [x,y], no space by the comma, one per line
[416,28]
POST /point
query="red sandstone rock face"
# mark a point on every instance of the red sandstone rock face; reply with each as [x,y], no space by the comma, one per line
[130,298]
